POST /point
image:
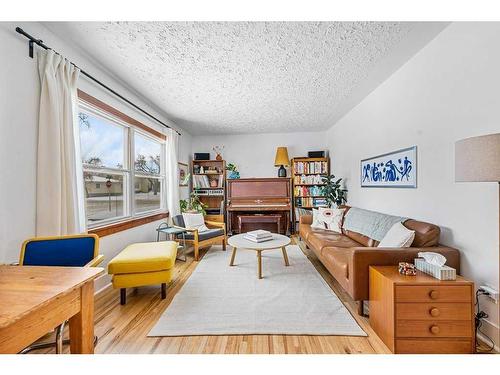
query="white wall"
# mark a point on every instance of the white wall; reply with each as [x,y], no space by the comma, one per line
[19,97]
[254,154]
[448,91]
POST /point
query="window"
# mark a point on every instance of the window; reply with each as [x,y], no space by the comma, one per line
[123,167]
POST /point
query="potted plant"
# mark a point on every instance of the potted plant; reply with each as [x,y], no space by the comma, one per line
[334,194]
[193,205]
[233,171]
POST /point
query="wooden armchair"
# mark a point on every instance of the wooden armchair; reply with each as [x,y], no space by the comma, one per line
[216,234]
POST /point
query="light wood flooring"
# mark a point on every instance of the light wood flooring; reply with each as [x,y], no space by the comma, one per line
[123,329]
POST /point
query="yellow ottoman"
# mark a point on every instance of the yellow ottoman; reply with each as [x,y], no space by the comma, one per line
[143,264]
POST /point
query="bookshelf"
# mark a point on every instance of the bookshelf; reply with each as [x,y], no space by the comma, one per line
[306,184]
[209,184]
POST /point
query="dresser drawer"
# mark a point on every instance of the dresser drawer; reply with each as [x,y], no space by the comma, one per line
[429,346]
[431,328]
[424,293]
[433,311]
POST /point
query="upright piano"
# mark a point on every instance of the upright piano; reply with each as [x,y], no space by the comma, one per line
[259,203]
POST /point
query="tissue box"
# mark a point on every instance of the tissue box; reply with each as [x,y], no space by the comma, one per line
[439,272]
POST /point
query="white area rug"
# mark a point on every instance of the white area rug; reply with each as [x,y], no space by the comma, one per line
[221,300]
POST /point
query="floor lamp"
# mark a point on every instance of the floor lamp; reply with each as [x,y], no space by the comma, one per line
[477,159]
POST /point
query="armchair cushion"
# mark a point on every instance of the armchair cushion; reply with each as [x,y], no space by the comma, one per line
[211,233]
[195,221]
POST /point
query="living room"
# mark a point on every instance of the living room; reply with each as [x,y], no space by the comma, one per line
[250,187]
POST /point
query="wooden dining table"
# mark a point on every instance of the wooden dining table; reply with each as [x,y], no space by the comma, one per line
[34,300]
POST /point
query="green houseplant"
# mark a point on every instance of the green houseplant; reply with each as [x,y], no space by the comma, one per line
[193,204]
[334,194]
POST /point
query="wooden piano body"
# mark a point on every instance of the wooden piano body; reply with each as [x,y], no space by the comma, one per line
[259,203]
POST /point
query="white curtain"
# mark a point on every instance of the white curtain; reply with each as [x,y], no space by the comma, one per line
[59,186]
[172,173]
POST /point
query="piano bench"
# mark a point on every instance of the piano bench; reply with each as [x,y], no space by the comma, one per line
[247,223]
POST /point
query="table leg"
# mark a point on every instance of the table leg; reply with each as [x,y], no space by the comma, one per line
[233,255]
[259,261]
[285,256]
[81,325]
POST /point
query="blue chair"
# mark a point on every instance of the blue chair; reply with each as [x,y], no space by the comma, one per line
[79,250]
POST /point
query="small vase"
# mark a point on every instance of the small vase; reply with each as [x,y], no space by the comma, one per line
[218,157]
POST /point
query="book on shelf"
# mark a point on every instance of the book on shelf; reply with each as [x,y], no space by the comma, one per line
[312,179]
[307,191]
[203,181]
[311,202]
[310,167]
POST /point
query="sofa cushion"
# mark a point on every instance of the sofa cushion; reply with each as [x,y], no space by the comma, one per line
[319,238]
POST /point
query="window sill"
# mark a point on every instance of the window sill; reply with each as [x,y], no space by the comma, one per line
[128,224]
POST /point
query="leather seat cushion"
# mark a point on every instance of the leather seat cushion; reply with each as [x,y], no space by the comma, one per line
[321,238]
[144,257]
[337,260]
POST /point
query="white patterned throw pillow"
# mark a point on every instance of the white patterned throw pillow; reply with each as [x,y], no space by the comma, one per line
[194,221]
[398,236]
[328,219]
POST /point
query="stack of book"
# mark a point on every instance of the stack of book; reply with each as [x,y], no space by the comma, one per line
[258,235]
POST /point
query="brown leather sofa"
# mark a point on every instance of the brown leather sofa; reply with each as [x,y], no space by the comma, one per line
[347,256]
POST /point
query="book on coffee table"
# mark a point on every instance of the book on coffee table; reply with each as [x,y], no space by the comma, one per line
[253,239]
[259,235]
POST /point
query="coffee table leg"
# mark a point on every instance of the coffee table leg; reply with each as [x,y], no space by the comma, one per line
[259,261]
[285,256]
[232,257]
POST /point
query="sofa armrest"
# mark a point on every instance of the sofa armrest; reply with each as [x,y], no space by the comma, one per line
[362,258]
[306,219]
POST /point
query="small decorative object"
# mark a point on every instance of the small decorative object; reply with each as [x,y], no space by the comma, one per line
[407,269]
[394,169]
[202,170]
[334,194]
[233,171]
[316,154]
[201,156]
[213,183]
[183,174]
[218,151]
[281,160]
[439,272]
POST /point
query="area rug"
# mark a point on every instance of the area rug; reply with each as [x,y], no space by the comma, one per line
[221,300]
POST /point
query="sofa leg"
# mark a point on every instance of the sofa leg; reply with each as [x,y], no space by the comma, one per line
[163,290]
[224,244]
[123,296]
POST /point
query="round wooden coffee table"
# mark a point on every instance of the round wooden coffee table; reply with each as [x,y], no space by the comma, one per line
[278,242]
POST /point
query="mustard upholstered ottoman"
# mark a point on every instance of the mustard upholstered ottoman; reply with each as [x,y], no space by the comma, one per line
[142,264]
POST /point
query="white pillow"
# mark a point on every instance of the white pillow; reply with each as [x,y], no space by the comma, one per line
[195,221]
[398,236]
[328,219]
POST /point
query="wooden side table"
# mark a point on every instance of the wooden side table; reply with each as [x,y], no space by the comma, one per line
[421,314]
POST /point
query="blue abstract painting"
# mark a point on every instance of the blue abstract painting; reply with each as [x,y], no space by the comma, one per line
[394,169]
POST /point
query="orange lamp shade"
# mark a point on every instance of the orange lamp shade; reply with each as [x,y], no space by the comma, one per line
[281,157]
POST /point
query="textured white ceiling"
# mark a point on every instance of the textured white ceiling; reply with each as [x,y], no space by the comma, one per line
[242,77]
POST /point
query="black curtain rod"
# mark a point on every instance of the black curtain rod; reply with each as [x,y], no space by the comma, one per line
[40,43]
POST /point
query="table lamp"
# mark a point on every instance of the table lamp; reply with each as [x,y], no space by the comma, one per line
[281,160]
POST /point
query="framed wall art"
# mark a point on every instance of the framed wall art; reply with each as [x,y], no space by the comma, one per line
[394,169]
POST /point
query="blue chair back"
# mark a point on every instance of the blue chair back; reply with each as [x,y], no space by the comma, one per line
[64,251]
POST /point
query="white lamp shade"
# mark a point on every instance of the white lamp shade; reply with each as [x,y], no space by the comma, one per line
[478,159]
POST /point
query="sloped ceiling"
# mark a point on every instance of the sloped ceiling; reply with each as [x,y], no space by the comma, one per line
[248,77]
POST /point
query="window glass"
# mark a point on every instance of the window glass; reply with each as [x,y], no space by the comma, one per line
[147,194]
[103,196]
[102,143]
[147,154]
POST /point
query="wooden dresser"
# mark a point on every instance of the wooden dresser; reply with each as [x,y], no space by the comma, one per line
[421,314]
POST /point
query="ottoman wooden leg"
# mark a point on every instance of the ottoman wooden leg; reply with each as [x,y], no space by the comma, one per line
[123,296]
[163,291]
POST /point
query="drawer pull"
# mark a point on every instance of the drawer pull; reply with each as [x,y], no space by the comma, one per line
[433,294]
[434,330]
[434,312]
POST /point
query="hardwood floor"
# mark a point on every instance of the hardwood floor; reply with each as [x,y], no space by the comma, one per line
[123,329]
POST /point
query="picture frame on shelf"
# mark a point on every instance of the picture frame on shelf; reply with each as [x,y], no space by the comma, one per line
[183,174]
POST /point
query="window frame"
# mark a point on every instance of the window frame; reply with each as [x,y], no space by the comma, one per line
[130,217]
